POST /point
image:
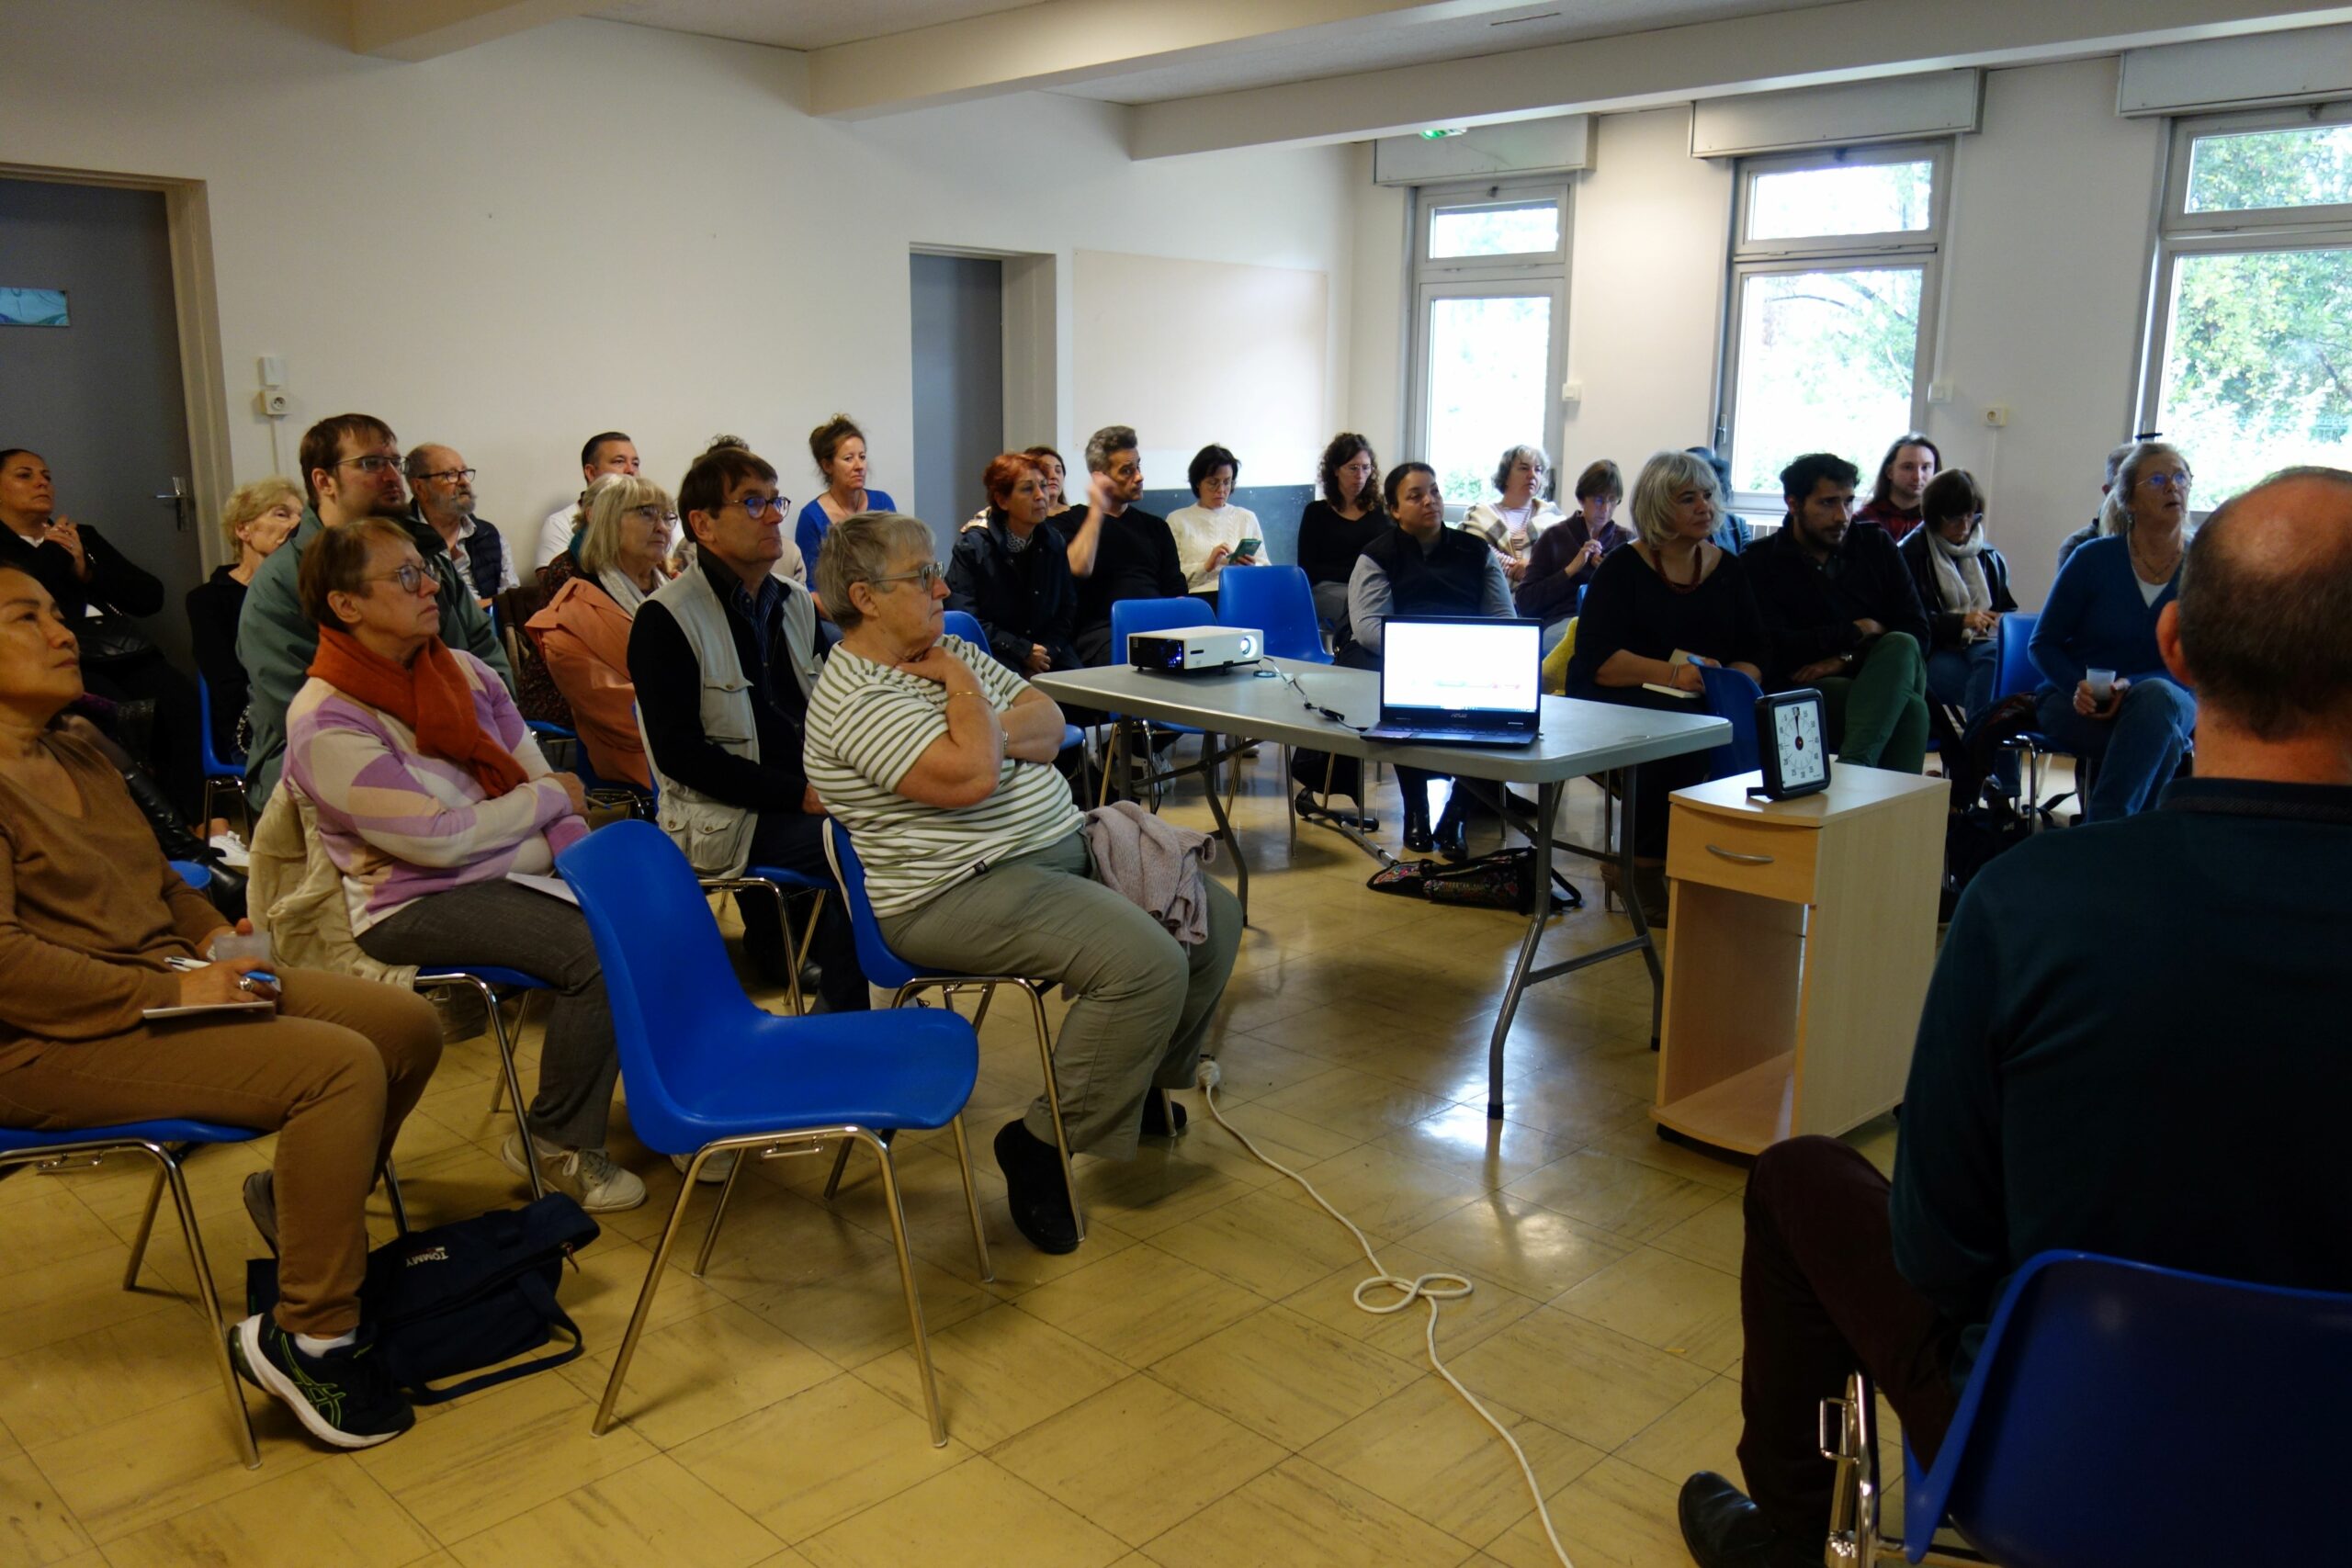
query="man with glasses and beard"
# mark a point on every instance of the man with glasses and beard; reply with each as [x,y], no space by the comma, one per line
[444,487]
[351,469]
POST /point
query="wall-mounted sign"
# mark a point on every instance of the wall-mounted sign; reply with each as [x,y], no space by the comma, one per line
[32,307]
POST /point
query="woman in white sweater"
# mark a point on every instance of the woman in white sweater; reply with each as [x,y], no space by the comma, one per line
[1212,534]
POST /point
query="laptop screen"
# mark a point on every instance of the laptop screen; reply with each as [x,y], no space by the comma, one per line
[1461,666]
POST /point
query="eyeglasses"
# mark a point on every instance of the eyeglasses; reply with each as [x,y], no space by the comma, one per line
[410,577]
[756,507]
[930,574]
[373,464]
[658,517]
[447,474]
[2167,482]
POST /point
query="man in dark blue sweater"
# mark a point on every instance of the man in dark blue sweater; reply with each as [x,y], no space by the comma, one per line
[2134,1045]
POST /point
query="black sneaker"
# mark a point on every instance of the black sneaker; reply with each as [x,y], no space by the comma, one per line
[1033,1188]
[343,1396]
[1159,1110]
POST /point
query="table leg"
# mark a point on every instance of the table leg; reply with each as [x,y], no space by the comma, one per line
[1209,754]
[1548,808]
[1641,932]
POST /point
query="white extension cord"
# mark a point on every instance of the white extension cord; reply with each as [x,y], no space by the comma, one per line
[1432,1289]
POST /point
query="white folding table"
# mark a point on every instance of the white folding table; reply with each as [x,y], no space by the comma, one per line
[1578,739]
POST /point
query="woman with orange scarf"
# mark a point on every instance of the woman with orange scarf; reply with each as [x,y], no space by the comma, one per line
[430,792]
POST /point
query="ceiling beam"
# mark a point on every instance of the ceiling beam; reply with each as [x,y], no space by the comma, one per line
[1852,42]
[424,30]
[1064,41]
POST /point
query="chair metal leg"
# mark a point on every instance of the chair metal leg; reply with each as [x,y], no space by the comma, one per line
[841,1163]
[645,1297]
[513,1082]
[972,1199]
[1053,1104]
[168,1170]
[719,1209]
[498,1084]
[392,1193]
[146,1230]
[907,1279]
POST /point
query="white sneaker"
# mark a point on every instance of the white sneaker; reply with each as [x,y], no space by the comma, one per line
[715,1170]
[588,1176]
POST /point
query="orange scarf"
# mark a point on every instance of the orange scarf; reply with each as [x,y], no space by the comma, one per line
[431,697]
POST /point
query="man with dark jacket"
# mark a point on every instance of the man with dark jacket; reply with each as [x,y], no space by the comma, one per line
[723,656]
[1844,618]
[1117,550]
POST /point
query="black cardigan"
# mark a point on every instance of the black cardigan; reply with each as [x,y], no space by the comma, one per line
[114,582]
[1021,599]
[1946,623]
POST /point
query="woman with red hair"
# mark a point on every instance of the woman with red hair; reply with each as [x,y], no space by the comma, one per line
[1013,576]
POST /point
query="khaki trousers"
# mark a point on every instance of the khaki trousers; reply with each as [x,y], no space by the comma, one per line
[334,1075]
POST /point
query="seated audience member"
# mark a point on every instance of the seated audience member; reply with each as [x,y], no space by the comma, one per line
[1338,525]
[723,656]
[91,916]
[1845,618]
[1511,525]
[256,519]
[1565,554]
[2101,614]
[1421,567]
[1050,465]
[429,790]
[584,632]
[2067,1091]
[83,571]
[1211,532]
[839,447]
[444,488]
[1117,550]
[1902,483]
[1963,585]
[938,760]
[608,453]
[1667,601]
[1733,535]
[2090,530]
[1011,574]
[351,469]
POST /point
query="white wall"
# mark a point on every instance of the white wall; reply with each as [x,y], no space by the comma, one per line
[596,225]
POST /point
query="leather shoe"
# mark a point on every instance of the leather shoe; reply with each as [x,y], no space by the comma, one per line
[1453,836]
[1723,1529]
[1158,1111]
[1034,1189]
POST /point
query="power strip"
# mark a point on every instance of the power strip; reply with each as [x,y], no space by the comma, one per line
[1431,1288]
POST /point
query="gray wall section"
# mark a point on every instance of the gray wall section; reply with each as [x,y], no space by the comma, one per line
[958,386]
[101,400]
[1277,508]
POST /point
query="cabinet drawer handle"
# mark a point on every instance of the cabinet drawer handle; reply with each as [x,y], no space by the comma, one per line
[1718,851]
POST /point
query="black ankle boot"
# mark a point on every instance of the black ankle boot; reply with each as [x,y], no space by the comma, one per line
[1451,836]
[1417,822]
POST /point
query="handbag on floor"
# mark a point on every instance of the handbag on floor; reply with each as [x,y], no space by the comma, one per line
[459,1297]
[1504,880]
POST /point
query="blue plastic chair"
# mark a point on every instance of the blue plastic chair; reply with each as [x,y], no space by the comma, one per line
[1277,601]
[222,774]
[884,968]
[1129,616]
[2015,674]
[709,1072]
[964,624]
[195,874]
[484,980]
[156,1141]
[2123,1413]
[1732,697]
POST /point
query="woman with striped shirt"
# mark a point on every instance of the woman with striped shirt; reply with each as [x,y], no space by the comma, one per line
[939,762]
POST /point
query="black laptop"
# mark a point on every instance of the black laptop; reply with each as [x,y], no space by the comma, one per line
[1460,681]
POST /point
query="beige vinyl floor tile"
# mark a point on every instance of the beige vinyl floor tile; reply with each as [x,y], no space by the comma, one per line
[824,1455]
[1700,1433]
[1463,1139]
[701,1372]
[653,1512]
[1595,1385]
[1611,1514]
[35,1526]
[1685,1309]
[1386,1192]
[67,1388]
[1426,1450]
[325,1513]
[1533,1251]
[977,1514]
[1361,1104]
[1141,1304]
[1265,1241]
[136,1470]
[1299,1514]
[1715,1235]
[999,1373]
[1464,1320]
[1284,1376]
[1137,1458]
[1633,1202]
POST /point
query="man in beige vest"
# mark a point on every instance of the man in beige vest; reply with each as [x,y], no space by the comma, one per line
[723,656]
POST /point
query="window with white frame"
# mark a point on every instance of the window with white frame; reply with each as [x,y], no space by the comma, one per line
[1490,268]
[1833,296]
[2249,363]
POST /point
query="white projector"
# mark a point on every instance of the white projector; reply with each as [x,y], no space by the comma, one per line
[1189,650]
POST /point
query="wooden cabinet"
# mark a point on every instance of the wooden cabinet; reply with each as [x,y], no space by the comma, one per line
[1797,956]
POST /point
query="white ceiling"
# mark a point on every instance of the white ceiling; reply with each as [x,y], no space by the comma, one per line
[800,24]
[1383,43]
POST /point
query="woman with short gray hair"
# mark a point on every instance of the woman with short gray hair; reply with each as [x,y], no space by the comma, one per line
[938,761]
[581,633]
[1524,510]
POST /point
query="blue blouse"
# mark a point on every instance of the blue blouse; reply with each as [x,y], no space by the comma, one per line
[2094,615]
[814,524]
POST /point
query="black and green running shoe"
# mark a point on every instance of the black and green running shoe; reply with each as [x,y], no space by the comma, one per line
[343,1396]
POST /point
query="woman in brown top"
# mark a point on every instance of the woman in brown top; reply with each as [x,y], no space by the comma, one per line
[91,918]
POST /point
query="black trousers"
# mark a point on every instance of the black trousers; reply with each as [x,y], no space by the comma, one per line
[174,758]
[795,841]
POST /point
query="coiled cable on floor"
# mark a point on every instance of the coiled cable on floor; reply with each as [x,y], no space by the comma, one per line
[1431,1288]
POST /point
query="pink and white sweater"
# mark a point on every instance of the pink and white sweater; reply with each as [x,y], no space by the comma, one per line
[401,825]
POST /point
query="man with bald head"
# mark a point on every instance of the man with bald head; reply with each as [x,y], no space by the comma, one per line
[2134,1045]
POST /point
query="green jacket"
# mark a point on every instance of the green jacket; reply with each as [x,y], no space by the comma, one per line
[276,641]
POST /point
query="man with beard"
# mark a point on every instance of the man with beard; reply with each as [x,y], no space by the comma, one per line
[1844,617]
[444,488]
[351,469]
[1117,550]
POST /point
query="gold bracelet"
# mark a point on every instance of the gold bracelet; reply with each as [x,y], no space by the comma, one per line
[982,696]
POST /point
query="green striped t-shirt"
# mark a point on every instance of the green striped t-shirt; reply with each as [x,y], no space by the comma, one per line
[868,724]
